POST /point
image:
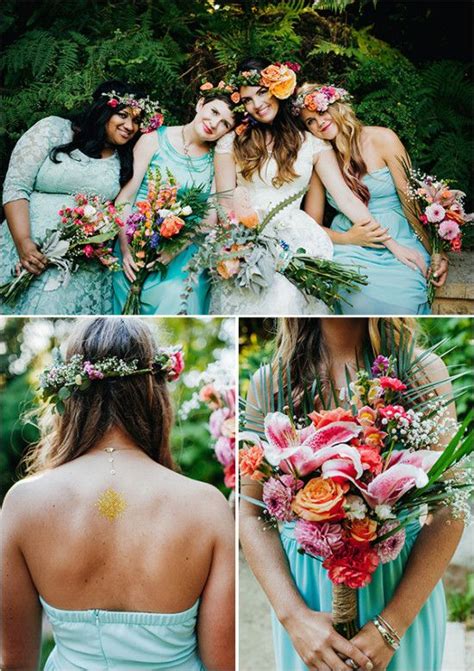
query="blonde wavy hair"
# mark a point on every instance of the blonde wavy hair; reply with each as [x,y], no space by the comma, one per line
[347,144]
[250,148]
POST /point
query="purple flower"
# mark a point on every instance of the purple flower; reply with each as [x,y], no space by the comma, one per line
[154,240]
[380,366]
[277,498]
[319,539]
[91,372]
[390,548]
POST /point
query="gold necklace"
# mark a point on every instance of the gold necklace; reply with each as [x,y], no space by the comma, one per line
[111,503]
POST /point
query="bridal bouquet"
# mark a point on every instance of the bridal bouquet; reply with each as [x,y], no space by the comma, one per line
[440,209]
[84,235]
[237,254]
[352,478]
[161,226]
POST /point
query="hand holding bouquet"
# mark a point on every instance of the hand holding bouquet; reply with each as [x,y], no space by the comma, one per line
[161,226]
[84,235]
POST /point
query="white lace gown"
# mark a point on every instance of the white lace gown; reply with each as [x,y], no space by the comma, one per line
[292,225]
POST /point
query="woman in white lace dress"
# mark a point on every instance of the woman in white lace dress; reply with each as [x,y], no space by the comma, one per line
[273,159]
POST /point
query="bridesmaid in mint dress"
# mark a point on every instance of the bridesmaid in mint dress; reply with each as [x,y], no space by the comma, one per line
[188,152]
[370,161]
[407,592]
[51,162]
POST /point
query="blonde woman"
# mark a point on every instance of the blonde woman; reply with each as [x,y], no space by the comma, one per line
[370,159]
[274,160]
[406,592]
[131,561]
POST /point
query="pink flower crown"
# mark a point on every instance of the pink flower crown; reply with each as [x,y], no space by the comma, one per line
[319,98]
[59,382]
[149,110]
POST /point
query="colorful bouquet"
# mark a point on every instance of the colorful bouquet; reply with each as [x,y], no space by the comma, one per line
[84,235]
[440,210]
[161,226]
[352,478]
[238,255]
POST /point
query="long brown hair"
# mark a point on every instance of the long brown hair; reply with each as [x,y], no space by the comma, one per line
[250,148]
[138,405]
[347,144]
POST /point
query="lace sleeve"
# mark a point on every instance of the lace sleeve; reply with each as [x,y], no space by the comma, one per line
[318,145]
[29,154]
[225,144]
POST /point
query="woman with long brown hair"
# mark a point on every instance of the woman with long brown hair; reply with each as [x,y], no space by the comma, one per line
[274,160]
[132,562]
[371,160]
[406,592]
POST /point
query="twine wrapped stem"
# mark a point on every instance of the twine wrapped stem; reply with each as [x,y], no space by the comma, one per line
[344,610]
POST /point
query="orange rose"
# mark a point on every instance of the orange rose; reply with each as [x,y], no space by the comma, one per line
[326,417]
[310,103]
[171,226]
[249,220]
[320,499]
[363,531]
[235,97]
[206,86]
[228,267]
[250,459]
[280,81]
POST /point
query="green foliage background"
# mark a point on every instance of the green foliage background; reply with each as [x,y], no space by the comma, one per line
[257,346]
[55,52]
[25,346]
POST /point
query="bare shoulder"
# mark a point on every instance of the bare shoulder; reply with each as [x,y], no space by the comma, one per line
[146,144]
[26,498]
[382,136]
[203,501]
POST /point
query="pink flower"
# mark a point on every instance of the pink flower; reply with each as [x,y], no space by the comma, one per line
[390,411]
[337,462]
[319,539]
[388,487]
[423,218]
[390,548]
[224,450]
[392,383]
[91,372]
[229,475]
[112,102]
[424,459]
[217,419]
[456,244]
[177,365]
[449,229]
[435,213]
[88,251]
[277,498]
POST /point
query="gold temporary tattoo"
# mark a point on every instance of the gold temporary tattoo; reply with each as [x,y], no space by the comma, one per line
[111,504]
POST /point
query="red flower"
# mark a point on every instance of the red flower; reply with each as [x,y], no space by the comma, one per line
[392,383]
[326,417]
[456,244]
[352,567]
[112,102]
[423,218]
[229,475]
[370,458]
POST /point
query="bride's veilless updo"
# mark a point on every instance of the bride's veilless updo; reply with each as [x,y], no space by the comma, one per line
[250,148]
[137,404]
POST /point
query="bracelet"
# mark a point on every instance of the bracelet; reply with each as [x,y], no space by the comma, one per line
[392,640]
[388,626]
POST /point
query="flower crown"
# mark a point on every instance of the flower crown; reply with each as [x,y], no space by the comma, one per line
[228,89]
[319,98]
[278,78]
[59,382]
[152,118]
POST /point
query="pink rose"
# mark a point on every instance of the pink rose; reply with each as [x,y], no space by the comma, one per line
[88,251]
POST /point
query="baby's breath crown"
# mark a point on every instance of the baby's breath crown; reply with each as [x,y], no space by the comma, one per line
[60,381]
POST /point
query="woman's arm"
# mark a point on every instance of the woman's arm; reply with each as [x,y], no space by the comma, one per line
[427,563]
[143,152]
[216,621]
[226,178]
[364,233]
[20,608]
[312,633]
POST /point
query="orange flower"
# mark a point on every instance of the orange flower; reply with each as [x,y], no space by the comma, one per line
[250,459]
[211,396]
[321,499]
[310,103]
[455,216]
[206,86]
[228,267]
[326,417]
[171,226]
[367,416]
[374,437]
[241,128]
[363,531]
[280,81]
[140,255]
[235,97]
[249,220]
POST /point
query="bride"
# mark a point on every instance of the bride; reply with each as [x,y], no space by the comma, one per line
[274,160]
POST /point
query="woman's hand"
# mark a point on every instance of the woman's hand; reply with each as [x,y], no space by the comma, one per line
[319,645]
[371,642]
[128,264]
[439,275]
[31,259]
[410,257]
[165,257]
[367,233]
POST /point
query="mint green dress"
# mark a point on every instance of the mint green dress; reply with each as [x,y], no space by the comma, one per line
[422,646]
[101,640]
[48,186]
[393,288]
[161,294]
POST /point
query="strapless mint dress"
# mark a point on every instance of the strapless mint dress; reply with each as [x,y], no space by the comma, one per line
[161,293]
[393,288]
[101,640]
[422,646]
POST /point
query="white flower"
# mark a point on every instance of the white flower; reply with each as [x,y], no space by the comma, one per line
[384,512]
[186,211]
[89,211]
[355,507]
